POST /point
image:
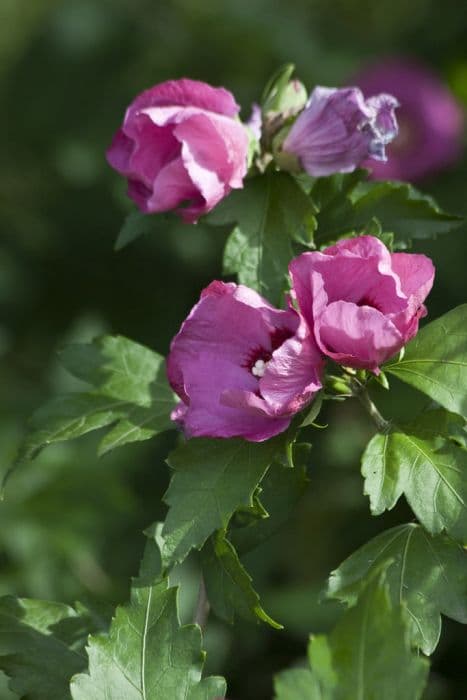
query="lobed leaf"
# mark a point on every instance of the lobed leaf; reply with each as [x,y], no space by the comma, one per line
[367,655]
[428,575]
[211,480]
[42,646]
[129,392]
[348,204]
[147,654]
[435,361]
[280,491]
[270,212]
[429,469]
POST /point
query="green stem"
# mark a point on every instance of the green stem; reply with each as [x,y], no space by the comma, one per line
[361,393]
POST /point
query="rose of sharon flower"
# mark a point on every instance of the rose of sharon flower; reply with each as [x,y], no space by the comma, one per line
[181,147]
[430,120]
[362,302]
[338,129]
[240,366]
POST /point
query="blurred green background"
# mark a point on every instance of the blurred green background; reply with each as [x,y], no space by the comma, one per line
[70,525]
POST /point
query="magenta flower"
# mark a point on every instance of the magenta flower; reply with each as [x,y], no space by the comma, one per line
[240,366]
[181,147]
[362,302]
[338,129]
[430,120]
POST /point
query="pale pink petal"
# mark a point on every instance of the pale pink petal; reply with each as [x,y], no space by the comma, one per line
[171,187]
[362,247]
[416,274]
[357,336]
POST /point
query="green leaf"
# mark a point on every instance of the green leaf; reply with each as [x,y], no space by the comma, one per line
[130,392]
[347,204]
[271,211]
[212,479]
[274,88]
[228,585]
[428,575]
[435,361]
[368,654]
[297,684]
[135,225]
[42,646]
[281,490]
[147,654]
[429,469]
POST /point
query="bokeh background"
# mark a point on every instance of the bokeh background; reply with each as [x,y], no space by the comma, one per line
[70,524]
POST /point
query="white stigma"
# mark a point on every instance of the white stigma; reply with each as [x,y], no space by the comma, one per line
[259,368]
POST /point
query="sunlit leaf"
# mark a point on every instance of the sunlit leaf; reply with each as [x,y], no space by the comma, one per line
[147,654]
[435,361]
[428,574]
[429,469]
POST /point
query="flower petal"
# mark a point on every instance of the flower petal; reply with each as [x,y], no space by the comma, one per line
[357,336]
[187,93]
[293,375]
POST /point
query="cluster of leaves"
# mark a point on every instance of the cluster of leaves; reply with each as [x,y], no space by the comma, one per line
[227,496]
[144,654]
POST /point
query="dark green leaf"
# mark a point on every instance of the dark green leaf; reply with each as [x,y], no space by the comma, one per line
[228,584]
[135,225]
[146,653]
[368,655]
[212,479]
[435,361]
[270,212]
[42,646]
[429,469]
[281,490]
[428,575]
[347,204]
[130,392]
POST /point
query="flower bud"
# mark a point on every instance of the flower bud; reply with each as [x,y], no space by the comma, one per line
[339,129]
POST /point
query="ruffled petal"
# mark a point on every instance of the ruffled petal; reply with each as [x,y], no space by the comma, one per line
[186,93]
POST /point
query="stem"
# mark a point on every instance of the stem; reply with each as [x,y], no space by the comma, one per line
[361,393]
[202,606]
